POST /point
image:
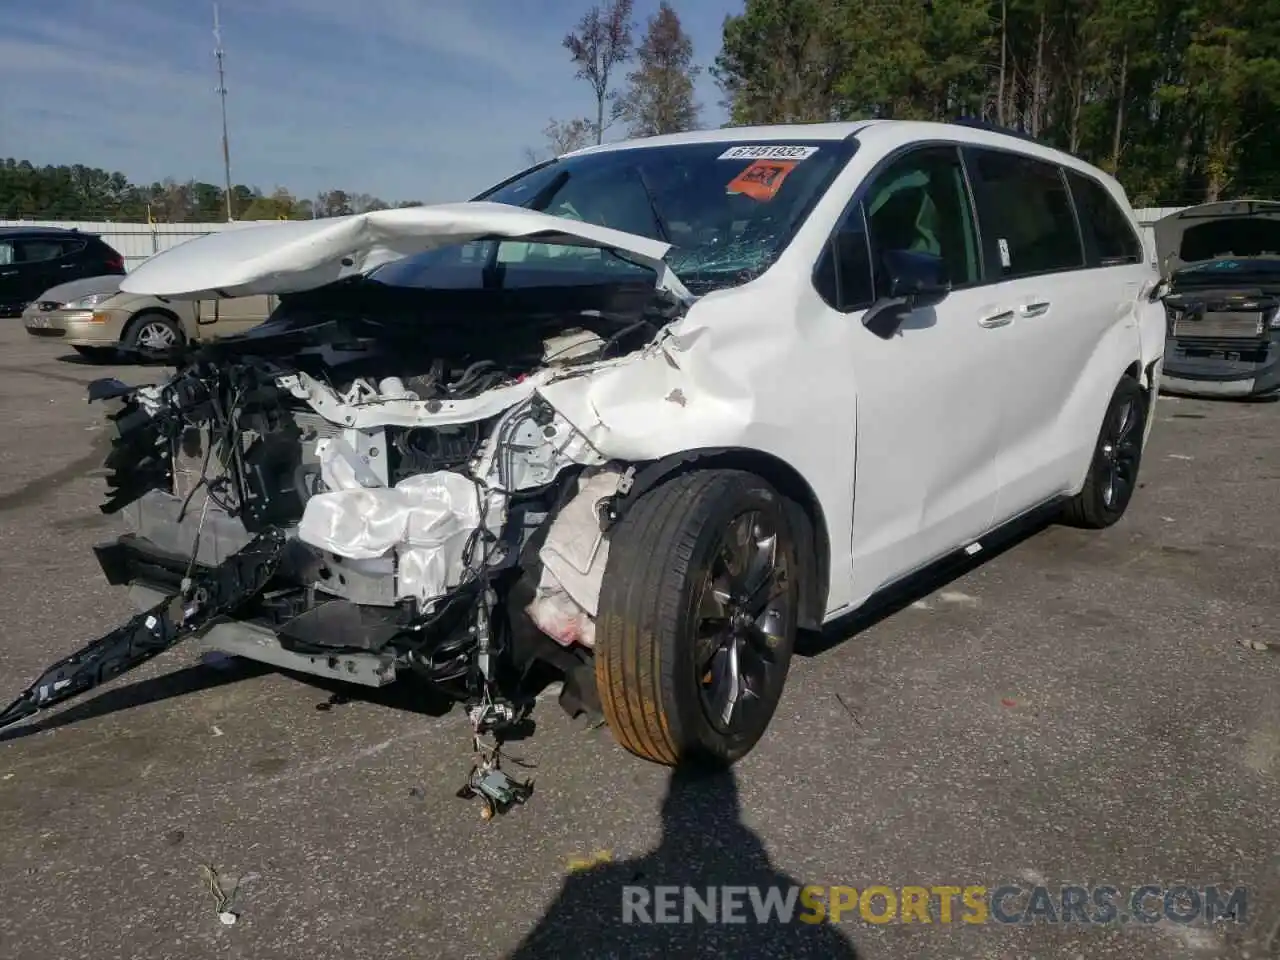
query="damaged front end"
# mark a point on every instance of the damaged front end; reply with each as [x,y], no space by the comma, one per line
[1221,263]
[392,494]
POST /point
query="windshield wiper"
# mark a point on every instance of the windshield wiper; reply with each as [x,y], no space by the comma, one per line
[663,234]
[544,196]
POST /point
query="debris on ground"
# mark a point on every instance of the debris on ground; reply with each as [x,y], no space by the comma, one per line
[223,902]
[492,785]
[1254,644]
[598,859]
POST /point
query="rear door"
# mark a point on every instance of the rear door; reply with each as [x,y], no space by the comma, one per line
[1059,312]
[10,275]
[39,263]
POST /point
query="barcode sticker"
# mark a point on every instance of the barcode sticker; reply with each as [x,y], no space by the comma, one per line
[768,152]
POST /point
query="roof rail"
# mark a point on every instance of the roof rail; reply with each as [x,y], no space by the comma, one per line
[979,124]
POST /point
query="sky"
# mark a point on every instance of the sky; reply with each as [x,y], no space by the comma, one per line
[430,100]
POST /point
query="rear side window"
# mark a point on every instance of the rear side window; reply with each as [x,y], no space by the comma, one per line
[35,251]
[1025,213]
[1103,222]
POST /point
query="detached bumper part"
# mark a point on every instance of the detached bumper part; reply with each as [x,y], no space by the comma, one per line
[214,593]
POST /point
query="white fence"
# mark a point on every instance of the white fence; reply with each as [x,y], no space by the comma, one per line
[138,241]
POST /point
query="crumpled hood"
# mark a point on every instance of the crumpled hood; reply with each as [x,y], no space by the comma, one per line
[293,256]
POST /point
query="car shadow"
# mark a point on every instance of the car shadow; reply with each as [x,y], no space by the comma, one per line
[118,357]
[217,670]
[704,845]
[77,360]
[180,683]
[1216,399]
[883,605]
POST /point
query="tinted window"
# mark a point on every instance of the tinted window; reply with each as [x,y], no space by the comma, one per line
[1028,225]
[6,253]
[33,251]
[919,203]
[1102,219]
[843,276]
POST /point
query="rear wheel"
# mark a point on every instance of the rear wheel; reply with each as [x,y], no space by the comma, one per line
[1113,472]
[697,619]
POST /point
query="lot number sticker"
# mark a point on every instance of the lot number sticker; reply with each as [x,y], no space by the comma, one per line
[768,152]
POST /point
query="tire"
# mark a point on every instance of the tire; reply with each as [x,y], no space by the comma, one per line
[1117,456]
[153,335]
[664,557]
[96,354]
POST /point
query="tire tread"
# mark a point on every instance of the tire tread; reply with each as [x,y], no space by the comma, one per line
[651,554]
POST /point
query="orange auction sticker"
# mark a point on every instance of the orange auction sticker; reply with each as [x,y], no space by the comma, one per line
[763,179]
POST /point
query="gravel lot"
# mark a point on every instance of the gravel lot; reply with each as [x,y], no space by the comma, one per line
[1079,709]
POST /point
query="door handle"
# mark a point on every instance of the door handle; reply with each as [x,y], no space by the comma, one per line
[67,266]
[8,273]
[1036,308]
[997,320]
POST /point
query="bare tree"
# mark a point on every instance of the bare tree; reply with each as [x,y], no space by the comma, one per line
[561,137]
[660,97]
[565,136]
[602,42]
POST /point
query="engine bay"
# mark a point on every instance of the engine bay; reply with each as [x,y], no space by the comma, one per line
[413,503]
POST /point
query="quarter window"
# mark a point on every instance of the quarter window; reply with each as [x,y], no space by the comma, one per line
[1025,214]
[1114,241]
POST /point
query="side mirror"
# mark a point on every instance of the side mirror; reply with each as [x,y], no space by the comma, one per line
[915,280]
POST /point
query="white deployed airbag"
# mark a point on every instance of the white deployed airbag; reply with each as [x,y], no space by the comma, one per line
[427,519]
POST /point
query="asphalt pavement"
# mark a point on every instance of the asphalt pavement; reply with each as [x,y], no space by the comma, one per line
[1081,708]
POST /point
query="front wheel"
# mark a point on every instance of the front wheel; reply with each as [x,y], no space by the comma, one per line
[154,336]
[697,619]
[1117,455]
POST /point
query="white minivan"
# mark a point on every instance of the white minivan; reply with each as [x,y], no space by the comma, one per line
[639,414]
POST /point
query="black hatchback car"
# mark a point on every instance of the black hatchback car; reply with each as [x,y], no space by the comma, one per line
[33,259]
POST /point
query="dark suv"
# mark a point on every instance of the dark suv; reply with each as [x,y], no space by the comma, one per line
[33,259]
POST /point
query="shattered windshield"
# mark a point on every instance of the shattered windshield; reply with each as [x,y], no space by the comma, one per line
[727,209]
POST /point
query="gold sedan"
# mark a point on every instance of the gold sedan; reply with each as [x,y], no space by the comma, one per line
[98,321]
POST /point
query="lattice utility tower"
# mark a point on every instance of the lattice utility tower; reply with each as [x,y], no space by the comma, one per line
[222,93]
